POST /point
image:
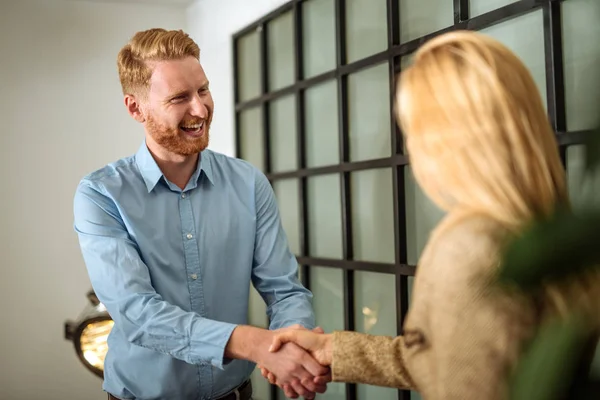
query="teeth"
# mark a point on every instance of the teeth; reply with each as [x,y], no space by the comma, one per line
[197,126]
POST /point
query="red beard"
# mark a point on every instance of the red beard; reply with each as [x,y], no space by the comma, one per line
[174,140]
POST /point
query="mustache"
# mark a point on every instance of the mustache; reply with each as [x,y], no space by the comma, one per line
[194,121]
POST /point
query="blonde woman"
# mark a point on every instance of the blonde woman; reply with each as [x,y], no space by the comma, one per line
[482,149]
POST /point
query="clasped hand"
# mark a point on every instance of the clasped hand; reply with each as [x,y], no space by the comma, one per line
[298,361]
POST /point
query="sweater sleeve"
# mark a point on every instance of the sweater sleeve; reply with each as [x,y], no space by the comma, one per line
[369,359]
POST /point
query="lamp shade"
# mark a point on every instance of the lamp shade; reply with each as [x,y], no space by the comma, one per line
[89,334]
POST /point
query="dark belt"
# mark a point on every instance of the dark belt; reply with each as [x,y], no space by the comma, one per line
[242,392]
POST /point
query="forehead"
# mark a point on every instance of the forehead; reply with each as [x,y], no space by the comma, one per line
[176,75]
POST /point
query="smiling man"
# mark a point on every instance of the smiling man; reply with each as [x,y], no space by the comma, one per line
[172,238]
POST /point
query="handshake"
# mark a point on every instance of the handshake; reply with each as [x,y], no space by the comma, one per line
[298,361]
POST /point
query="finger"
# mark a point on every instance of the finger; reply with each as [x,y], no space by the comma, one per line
[311,386]
[318,329]
[312,366]
[289,392]
[301,390]
[264,372]
[322,379]
[279,339]
[271,378]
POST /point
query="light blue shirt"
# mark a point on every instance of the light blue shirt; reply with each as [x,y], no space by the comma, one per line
[174,267]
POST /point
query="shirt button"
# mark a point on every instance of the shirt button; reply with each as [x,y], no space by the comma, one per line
[183,195]
[194,276]
[189,236]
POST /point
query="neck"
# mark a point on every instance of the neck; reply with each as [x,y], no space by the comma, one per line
[176,168]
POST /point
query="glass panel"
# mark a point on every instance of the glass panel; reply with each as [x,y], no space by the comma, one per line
[324,216]
[251,137]
[248,65]
[420,17]
[327,285]
[525,37]
[283,134]
[288,200]
[261,390]
[318,20]
[322,132]
[373,215]
[369,113]
[422,216]
[366,28]
[582,57]
[478,7]
[257,310]
[584,189]
[375,304]
[280,37]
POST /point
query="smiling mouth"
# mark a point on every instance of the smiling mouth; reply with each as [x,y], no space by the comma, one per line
[193,129]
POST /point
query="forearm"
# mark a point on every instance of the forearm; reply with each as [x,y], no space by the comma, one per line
[368,359]
[150,322]
[248,343]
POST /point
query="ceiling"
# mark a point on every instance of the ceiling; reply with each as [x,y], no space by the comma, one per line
[177,3]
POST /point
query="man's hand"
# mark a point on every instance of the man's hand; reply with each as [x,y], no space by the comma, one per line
[317,385]
[295,371]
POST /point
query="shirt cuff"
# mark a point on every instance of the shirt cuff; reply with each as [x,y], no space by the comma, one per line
[208,344]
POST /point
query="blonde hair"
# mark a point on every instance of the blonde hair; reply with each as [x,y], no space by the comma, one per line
[151,45]
[480,140]
[477,131]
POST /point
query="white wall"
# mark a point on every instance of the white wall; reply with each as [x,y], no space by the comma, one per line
[61,116]
[212,24]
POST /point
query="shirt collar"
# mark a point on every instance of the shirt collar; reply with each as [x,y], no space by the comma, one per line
[151,172]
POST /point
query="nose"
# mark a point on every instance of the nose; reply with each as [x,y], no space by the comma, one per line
[199,107]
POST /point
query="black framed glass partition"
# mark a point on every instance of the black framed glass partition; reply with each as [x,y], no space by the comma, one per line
[314,97]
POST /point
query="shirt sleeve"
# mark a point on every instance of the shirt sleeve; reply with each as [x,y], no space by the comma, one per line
[275,268]
[122,283]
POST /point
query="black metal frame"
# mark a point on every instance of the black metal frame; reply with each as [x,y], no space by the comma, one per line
[555,92]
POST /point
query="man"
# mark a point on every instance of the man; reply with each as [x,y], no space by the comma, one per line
[172,238]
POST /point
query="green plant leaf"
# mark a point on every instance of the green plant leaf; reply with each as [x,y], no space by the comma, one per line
[549,250]
[548,366]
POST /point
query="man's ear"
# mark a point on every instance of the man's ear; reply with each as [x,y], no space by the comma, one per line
[134,107]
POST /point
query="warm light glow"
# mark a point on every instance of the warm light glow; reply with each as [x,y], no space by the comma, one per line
[93,342]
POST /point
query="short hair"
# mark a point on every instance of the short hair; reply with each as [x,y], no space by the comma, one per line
[151,45]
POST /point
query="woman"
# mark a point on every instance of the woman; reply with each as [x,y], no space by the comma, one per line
[482,149]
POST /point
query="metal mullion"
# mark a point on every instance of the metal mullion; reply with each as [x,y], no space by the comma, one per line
[461,11]
[555,83]
[354,265]
[301,143]
[340,14]
[264,60]
[236,96]
[394,27]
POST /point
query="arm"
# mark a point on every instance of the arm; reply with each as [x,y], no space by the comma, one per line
[275,267]
[122,283]
[368,359]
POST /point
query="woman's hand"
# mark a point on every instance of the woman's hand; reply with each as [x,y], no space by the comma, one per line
[317,344]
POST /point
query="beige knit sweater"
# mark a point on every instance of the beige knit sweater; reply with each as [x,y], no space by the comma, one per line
[461,338]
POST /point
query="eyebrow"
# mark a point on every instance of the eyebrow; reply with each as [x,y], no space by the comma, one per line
[185,92]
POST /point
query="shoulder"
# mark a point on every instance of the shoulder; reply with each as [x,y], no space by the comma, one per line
[463,245]
[231,165]
[235,170]
[112,172]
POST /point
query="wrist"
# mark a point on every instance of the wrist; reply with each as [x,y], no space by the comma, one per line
[328,348]
[248,343]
